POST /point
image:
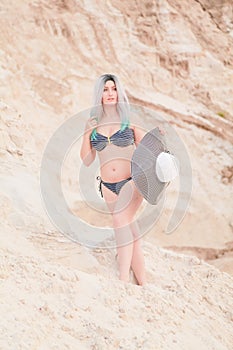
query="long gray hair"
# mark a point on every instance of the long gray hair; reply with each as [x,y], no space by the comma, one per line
[122,103]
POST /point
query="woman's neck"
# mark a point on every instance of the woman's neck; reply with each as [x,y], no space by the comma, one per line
[110,113]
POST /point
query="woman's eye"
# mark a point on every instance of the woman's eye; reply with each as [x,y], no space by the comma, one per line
[113,89]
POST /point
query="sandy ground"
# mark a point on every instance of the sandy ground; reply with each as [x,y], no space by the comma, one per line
[176,60]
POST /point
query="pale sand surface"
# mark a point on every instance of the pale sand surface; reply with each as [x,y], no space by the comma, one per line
[176,59]
[56,294]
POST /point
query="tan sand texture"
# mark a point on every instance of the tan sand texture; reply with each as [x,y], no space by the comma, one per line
[176,59]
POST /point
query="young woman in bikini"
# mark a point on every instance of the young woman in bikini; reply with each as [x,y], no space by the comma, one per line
[109,133]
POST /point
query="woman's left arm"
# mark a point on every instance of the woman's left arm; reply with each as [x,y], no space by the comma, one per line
[138,134]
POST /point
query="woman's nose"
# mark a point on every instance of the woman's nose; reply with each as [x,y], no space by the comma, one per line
[110,92]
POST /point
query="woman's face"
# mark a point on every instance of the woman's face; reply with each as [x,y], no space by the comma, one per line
[109,93]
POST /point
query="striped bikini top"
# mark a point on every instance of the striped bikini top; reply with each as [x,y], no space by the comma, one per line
[121,138]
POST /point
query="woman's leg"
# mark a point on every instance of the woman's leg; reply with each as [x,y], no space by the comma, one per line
[138,261]
[125,209]
[123,234]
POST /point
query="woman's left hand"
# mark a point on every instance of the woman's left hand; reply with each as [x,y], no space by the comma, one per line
[162,131]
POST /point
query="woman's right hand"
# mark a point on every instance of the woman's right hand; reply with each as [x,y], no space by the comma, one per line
[91,124]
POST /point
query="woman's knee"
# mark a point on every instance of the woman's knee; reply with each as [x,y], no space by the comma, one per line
[121,219]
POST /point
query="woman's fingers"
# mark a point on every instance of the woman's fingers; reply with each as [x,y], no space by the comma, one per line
[162,131]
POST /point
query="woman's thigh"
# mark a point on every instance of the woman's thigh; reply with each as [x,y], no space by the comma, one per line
[126,204]
[123,206]
[110,198]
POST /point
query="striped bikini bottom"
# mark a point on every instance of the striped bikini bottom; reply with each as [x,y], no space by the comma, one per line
[115,187]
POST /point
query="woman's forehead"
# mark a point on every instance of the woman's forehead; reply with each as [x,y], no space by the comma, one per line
[109,83]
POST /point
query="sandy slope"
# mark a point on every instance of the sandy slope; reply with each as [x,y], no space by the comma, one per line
[176,59]
[58,295]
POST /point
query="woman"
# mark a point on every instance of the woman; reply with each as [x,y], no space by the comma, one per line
[109,133]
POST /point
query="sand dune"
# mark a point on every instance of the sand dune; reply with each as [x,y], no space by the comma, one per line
[175,60]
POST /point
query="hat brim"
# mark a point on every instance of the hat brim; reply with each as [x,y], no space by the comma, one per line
[143,166]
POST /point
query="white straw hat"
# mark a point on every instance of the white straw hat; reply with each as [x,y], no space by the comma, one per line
[152,166]
[166,167]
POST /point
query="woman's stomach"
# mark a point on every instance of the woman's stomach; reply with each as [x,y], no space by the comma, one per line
[116,166]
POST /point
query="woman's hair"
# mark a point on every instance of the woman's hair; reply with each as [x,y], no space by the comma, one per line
[122,103]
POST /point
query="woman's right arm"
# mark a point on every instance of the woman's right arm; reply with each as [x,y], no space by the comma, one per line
[87,152]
